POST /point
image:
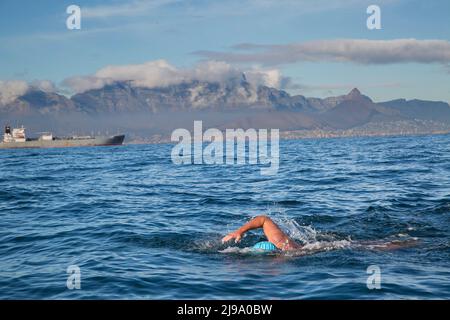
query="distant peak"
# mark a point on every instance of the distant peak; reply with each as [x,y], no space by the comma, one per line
[354,93]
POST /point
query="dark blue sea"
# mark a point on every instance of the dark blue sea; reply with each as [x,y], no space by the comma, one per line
[139,227]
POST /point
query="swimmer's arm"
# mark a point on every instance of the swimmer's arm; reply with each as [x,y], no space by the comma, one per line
[255,223]
[273,233]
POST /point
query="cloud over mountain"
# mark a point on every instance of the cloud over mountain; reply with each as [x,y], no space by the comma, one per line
[11,89]
[160,73]
[360,51]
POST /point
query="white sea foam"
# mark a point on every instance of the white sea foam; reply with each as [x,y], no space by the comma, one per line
[245,250]
[326,245]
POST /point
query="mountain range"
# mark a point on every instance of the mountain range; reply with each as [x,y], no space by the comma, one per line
[233,103]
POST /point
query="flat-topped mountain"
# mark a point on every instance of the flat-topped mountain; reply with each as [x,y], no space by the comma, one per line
[252,106]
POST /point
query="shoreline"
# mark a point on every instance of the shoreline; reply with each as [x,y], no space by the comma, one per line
[306,135]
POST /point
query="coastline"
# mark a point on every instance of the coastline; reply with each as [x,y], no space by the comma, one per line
[305,135]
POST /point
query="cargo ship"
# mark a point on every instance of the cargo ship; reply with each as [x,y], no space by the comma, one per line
[15,138]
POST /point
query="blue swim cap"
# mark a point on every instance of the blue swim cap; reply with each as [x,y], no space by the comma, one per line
[265,245]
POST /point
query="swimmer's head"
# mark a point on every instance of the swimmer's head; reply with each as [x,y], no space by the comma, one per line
[265,245]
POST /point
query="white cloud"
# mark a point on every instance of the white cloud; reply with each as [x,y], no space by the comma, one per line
[11,89]
[266,77]
[160,73]
[81,84]
[361,51]
[43,85]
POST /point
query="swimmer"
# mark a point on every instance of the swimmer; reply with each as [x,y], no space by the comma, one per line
[277,239]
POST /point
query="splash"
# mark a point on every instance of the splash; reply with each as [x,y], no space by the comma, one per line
[312,241]
[302,234]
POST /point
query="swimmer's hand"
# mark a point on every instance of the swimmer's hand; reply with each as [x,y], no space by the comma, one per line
[236,235]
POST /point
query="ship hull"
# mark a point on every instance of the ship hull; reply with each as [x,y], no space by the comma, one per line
[65,143]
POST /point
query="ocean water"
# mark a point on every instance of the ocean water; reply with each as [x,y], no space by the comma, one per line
[140,227]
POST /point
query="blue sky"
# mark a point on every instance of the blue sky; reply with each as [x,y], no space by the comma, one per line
[36,45]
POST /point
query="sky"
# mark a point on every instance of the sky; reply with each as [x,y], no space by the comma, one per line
[316,48]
